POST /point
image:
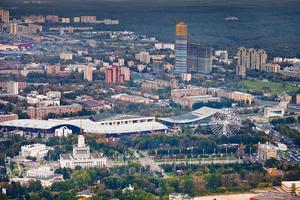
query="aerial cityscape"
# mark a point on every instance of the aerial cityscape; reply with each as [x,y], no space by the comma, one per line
[161,100]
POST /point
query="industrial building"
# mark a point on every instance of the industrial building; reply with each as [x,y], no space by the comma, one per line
[99,124]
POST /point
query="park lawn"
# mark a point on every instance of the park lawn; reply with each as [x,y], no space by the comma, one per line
[273,87]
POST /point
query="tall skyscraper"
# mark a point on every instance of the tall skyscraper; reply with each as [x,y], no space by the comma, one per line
[199,58]
[252,58]
[181,40]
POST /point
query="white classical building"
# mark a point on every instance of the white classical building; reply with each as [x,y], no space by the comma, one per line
[82,157]
[43,174]
[34,150]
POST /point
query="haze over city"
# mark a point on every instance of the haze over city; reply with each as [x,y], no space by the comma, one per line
[146,100]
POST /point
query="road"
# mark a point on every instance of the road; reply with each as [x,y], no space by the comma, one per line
[294,150]
[147,160]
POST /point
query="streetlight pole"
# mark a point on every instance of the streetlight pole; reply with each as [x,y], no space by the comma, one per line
[250,154]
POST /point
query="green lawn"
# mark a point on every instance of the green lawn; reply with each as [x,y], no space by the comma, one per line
[273,87]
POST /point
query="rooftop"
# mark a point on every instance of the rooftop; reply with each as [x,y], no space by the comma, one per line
[193,116]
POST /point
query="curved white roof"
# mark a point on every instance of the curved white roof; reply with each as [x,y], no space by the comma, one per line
[87,125]
[193,116]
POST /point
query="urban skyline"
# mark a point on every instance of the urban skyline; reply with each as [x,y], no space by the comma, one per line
[93,108]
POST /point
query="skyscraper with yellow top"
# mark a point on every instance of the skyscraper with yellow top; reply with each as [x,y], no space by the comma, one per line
[181,40]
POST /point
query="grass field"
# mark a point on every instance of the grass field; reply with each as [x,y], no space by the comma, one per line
[272,87]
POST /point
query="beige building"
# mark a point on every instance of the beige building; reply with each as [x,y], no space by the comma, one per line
[8,117]
[298,99]
[251,58]
[13,28]
[266,151]
[189,91]
[4,15]
[88,19]
[88,73]
[42,112]
[288,186]
[240,96]
[12,87]
[271,67]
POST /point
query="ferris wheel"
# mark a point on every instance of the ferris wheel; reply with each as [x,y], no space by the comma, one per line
[226,122]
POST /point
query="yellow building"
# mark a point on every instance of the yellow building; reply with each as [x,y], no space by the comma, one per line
[240,96]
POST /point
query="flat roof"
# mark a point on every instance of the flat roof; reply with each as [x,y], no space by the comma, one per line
[101,117]
[86,125]
[193,116]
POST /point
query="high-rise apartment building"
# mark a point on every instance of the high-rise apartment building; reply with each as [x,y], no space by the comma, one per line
[117,74]
[4,15]
[12,87]
[88,73]
[199,58]
[143,57]
[13,28]
[251,58]
[125,72]
[181,46]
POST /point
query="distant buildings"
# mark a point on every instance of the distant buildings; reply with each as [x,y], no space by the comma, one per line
[266,151]
[38,151]
[88,19]
[66,56]
[45,175]
[271,67]
[132,98]
[143,57]
[111,21]
[240,96]
[241,71]
[51,99]
[12,87]
[199,58]
[164,46]
[88,73]
[117,74]
[13,28]
[251,58]
[158,67]
[65,20]
[298,99]
[8,117]
[181,48]
[43,112]
[82,157]
[221,55]
[4,14]
[52,18]
[273,111]
[293,72]
[189,91]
